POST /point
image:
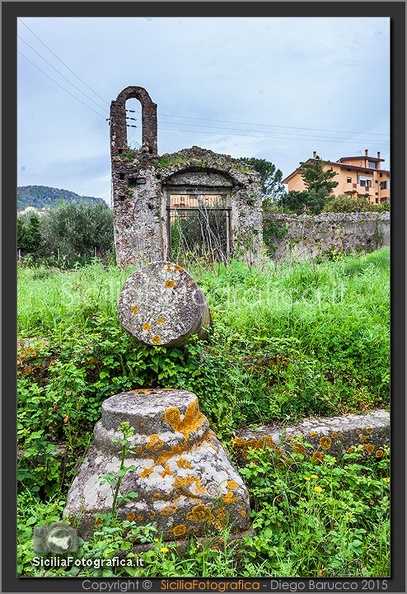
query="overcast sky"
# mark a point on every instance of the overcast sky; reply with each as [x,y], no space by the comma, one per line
[272,88]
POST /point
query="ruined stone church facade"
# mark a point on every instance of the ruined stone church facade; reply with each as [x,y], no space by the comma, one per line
[189,195]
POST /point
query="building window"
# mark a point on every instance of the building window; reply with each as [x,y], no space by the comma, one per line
[348,180]
[372,164]
[384,185]
[366,182]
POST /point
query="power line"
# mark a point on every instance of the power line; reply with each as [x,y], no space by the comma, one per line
[241,132]
[82,81]
[269,125]
[262,135]
[264,132]
[57,83]
[58,72]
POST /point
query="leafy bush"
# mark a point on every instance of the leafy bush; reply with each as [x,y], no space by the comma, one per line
[311,517]
[285,343]
[345,203]
[319,518]
[70,234]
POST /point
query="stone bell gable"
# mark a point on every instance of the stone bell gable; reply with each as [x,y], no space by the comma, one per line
[215,195]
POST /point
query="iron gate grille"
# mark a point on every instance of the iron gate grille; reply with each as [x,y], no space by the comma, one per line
[199,225]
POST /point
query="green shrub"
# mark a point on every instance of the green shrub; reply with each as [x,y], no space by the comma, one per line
[286,342]
[344,203]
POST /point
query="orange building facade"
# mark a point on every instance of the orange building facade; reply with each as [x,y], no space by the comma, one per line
[360,176]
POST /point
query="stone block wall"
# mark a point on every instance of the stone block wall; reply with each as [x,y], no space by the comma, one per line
[141,187]
[303,237]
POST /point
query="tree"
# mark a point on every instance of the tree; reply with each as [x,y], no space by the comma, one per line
[319,186]
[29,240]
[270,178]
[315,178]
[78,230]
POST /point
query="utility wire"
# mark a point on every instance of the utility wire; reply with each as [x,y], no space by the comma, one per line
[238,132]
[82,81]
[262,135]
[60,74]
[270,125]
[265,132]
[57,83]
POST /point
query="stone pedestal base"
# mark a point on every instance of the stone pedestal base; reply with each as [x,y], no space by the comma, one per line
[185,482]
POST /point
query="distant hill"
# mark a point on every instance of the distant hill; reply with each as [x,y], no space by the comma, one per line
[45,197]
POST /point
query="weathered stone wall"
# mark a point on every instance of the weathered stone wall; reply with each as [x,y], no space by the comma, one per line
[302,237]
[118,124]
[142,183]
[200,168]
[320,436]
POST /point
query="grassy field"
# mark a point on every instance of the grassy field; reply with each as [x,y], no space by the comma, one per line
[287,341]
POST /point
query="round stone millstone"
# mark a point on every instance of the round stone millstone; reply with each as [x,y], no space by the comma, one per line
[185,481]
[161,304]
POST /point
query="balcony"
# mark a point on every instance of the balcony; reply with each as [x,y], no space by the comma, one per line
[350,188]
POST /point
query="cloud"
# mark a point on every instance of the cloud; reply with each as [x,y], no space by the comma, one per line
[246,74]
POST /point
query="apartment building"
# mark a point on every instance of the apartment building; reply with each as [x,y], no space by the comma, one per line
[360,176]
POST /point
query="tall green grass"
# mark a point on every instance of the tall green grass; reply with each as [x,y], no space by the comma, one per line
[286,341]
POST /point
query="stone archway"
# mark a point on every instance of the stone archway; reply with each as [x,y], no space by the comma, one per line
[118,127]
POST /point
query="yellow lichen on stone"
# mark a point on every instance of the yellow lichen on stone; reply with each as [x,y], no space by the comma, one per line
[169,284]
[362,438]
[156,496]
[169,268]
[139,449]
[369,430]
[232,485]
[130,517]
[146,472]
[155,442]
[177,267]
[160,320]
[179,530]
[313,434]
[193,418]
[369,447]
[183,463]
[379,453]
[146,326]
[134,309]
[187,482]
[156,339]
[242,512]
[325,442]
[200,513]
[256,444]
[168,510]
[229,498]
[298,448]
[167,471]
